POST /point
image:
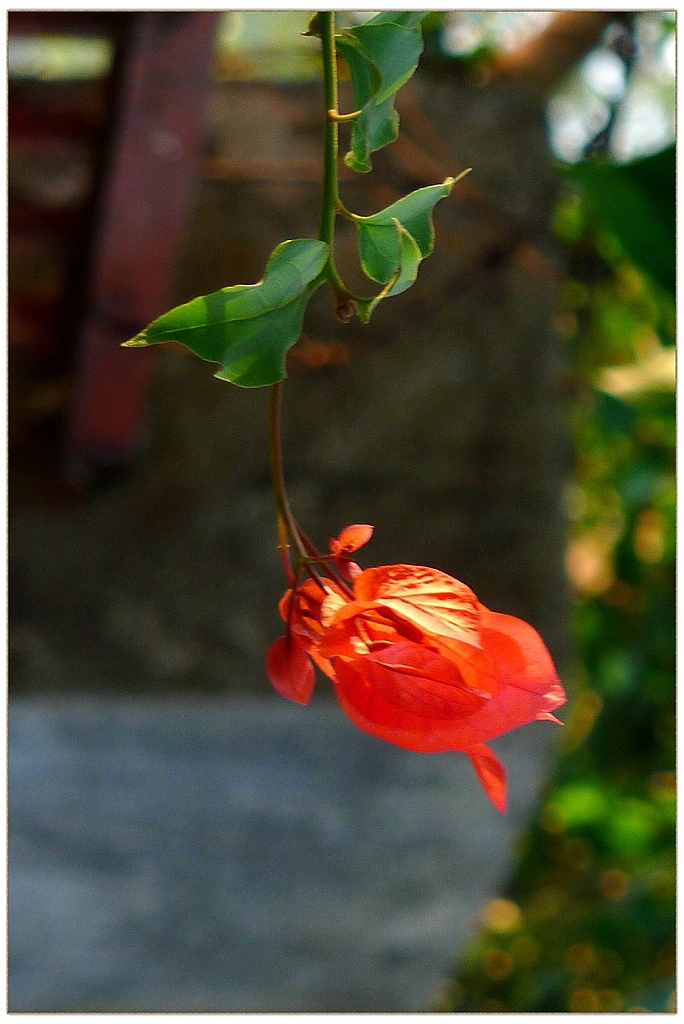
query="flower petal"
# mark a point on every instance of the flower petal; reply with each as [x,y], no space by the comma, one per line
[530,687]
[491,774]
[302,611]
[357,630]
[386,703]
[476,665]
[418,680]
[519,651]
[290,670]
[332,604]
[351,539]
[427,598]
[512,708]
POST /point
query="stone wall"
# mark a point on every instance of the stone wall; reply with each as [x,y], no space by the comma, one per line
[444,428]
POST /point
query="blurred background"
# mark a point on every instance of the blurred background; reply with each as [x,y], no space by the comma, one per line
[181,838]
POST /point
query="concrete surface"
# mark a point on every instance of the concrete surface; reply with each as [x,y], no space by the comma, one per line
[242,854]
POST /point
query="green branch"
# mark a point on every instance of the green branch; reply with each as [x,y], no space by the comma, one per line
[326,24]
[330,199]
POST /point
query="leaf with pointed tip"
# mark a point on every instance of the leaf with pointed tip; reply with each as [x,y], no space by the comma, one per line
[382,54]
[408,257]
[393,241]
[247,328]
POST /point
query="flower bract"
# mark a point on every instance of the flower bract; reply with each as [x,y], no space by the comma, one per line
[416,660]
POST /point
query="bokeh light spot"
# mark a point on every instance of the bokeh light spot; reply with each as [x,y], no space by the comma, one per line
[585,1000]
[577,854]
[583,714]
[588,564]
[501,916]
[581,958]
[649,536]
[493,1006]
[498,964]
[610,1001]
[614,884]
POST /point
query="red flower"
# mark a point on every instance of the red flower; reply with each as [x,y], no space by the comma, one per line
[416,660]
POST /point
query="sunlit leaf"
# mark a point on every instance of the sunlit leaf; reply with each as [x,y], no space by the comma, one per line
[379,242]
[247,328]
[408,257]
[382,54]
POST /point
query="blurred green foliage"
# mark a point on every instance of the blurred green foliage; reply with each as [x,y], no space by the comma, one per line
[587,922]
[635,201]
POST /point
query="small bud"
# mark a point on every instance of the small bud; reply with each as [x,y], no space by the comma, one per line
[345,310]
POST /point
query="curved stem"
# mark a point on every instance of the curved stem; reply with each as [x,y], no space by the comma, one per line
[334,115]
[288,531]
[344,212]
[328,561]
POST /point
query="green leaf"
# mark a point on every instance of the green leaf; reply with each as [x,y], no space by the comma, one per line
[247,328]
[382,54]
[380,245]
[407,262]
[409,19]
[636,201]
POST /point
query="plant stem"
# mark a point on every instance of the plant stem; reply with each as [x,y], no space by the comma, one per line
[330,199]
[326,24]
[289,534]
[329,562]
[286,521]
[288,530]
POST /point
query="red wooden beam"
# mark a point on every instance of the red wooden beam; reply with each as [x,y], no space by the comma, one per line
[147,192]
